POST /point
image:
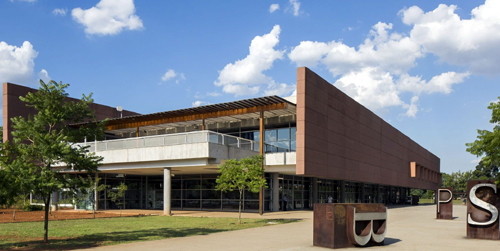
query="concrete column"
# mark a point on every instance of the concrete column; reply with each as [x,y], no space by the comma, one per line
[276,192]
[55,201]
[167,187]
[315,191]
[342,191]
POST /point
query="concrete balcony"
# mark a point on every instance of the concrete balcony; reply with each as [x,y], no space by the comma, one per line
[198,148]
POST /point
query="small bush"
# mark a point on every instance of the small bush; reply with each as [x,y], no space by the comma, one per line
[29,208]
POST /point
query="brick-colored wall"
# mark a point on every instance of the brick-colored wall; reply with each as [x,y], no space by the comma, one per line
[338,138]
[14,107]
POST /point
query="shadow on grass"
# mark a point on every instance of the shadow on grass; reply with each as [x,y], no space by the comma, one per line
[94,240]
[100,239]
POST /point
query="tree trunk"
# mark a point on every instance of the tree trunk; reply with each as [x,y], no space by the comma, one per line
[14,216]
[46,220]
[93,208]
[239,209]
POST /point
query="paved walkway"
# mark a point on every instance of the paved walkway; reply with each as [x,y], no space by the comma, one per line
[409,228]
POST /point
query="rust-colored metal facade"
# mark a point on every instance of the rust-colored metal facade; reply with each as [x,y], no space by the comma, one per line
[444,206]
[477,214]
[14,107]
[332,223]
[338,138]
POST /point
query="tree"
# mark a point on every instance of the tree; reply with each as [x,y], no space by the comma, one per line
[487,144]
[44,142]
[486,172]
[241,174]
[96,188]
[117,195]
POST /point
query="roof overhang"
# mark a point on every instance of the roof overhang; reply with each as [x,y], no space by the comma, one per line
[223,112]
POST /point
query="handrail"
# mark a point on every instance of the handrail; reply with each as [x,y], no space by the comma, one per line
[173,139]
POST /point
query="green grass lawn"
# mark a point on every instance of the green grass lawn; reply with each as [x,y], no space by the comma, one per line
[71,234]
[431,201]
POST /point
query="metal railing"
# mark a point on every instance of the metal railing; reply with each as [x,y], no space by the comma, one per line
[173,139]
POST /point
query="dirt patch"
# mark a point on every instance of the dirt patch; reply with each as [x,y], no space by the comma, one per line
[6,215]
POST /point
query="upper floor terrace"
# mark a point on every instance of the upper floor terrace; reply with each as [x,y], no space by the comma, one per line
[202,136]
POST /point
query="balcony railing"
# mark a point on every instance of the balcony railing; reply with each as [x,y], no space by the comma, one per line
[173,139]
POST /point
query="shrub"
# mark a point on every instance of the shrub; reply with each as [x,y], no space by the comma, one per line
[29,208]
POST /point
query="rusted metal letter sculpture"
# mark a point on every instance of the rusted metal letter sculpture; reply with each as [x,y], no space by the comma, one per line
[482,210]
[444,203]
[349,225]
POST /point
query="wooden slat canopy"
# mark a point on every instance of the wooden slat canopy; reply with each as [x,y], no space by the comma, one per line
[254,105]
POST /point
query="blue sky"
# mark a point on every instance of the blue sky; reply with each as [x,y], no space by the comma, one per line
[429,68]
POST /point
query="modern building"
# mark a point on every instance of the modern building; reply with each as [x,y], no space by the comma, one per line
[318,144]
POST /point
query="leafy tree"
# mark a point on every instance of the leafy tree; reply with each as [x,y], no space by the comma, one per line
[487,144]
[486,172]
[241,174]
[44,142]
[117,195]
[95,188]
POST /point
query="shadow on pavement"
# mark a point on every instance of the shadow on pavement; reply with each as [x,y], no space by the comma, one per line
[94,240]
[390,241]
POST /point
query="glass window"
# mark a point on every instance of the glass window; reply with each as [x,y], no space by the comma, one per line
[211,194]
[191,203]
[211,204]
[270,135]
[293,132]
[176,184]
[283,134]
[208,184]
[191,194]
[256,136]
[191,184]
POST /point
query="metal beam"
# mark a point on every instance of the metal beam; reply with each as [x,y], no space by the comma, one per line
[159,119]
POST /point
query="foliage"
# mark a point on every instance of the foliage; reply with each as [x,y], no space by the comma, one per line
[117,195]
[29,208]
[241,174]
[95,188]
[486,172]
[44,141]
[487,144]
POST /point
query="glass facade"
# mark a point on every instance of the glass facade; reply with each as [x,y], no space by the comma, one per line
[276,140]
[197,192]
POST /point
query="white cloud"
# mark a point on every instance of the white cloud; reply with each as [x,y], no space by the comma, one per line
[17,63]
[171,74]
[213,94]
[467,42]
[44,76]
[108,17]
[200,103]
[412,109]
[294,7]
[375,72]
[371,87]
[475,161]
[438,84]
[279,89]
[245,76]
[274,7]
[390,52]
[60,12]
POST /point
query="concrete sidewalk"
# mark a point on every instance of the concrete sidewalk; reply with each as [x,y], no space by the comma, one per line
[409,228]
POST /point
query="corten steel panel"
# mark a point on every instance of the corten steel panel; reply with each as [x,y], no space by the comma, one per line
[14,107]
[444,208]
[337,133]
[477,214]
[331,223]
